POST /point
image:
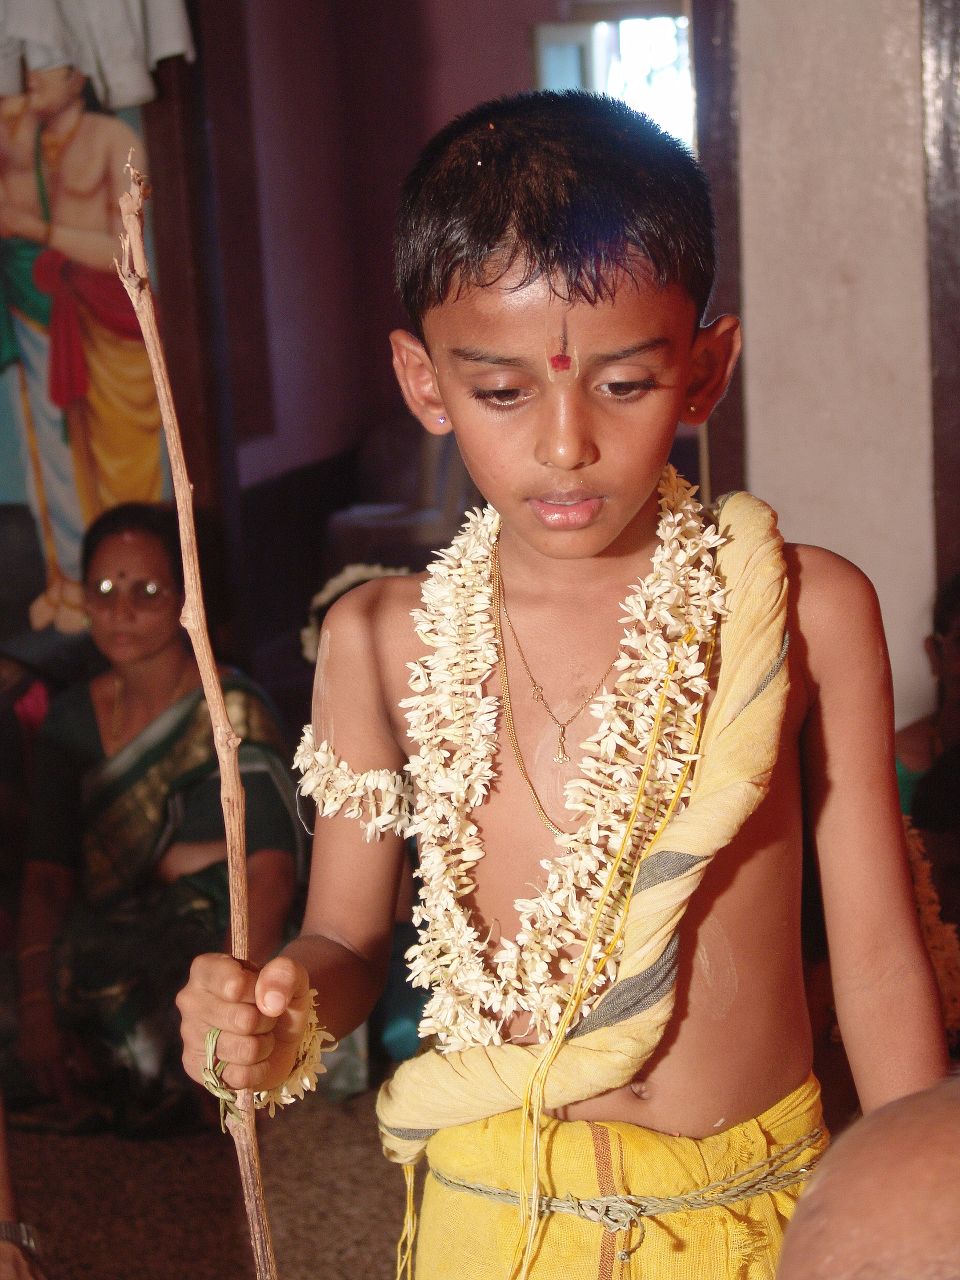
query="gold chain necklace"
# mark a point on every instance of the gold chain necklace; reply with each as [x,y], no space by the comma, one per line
[500,611]
[562,725]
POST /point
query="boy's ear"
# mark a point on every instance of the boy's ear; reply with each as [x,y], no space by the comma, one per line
[716,349]
[418,381]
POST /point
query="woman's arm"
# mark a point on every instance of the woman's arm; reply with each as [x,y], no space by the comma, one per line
[271,881]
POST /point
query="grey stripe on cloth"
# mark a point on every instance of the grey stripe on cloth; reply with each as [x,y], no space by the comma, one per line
[633,995]
[665,864]
[770,676]
[410,1135]
[716,507]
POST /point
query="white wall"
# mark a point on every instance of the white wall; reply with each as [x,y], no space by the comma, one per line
[835,296]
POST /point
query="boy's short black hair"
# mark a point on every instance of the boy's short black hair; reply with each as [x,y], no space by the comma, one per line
[156,519]
[573,186]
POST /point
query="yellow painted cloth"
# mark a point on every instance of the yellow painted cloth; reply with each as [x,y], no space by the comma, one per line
[739,746]
[466,1236]
[115,430]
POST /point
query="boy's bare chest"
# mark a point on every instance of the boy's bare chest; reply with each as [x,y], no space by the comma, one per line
[528,794]
[543,720]
[518,844]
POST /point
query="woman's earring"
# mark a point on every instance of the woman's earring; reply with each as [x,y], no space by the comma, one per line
[442,419]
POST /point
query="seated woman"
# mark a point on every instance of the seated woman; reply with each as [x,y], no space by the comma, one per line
[126,877]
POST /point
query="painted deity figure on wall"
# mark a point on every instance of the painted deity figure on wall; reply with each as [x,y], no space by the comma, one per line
[77,392]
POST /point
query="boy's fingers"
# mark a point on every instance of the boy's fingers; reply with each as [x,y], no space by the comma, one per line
[261,1075]
[283,987]
[223,977]
[219,993]
[260,1018]
[243,1051]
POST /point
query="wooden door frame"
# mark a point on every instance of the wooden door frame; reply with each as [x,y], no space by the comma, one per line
[718,135]
[941,137]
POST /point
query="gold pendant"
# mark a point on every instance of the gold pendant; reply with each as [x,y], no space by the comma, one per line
[561,757]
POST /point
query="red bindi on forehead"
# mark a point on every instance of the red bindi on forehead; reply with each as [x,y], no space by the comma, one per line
[560,363]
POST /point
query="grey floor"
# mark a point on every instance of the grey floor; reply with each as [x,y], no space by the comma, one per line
[111,1209]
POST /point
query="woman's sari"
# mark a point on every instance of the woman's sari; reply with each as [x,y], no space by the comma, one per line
[129,939]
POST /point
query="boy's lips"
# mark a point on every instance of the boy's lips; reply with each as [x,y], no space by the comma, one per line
[566,510]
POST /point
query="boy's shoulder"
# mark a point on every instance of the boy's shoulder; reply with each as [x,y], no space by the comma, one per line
[820,579]
[833,613]
[377,602]
[366,641]
[374,617]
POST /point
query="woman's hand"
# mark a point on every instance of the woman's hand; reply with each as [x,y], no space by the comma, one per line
[16,1265]
[261,1017]
[187,858]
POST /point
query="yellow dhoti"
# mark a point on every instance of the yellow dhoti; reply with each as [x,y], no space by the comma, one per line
[744,1183]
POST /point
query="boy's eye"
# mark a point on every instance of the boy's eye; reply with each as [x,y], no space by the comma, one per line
[628,390]
[498,397]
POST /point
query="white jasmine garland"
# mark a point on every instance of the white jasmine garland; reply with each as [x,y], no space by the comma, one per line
[477,994]
[314,1042]
[378,798]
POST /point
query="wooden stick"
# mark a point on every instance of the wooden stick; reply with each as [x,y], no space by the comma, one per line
[135,275]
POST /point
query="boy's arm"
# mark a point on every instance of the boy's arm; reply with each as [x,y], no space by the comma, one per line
[885,994]
[344,945]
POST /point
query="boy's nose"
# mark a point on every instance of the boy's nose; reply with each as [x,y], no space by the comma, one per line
[566,440]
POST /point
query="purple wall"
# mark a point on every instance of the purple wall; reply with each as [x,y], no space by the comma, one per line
[343,96]
[296,109]
[481,51]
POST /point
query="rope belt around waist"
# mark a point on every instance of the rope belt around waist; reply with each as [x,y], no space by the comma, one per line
[620,1213]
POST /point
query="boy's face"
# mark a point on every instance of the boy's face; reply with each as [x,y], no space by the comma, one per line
[565,412]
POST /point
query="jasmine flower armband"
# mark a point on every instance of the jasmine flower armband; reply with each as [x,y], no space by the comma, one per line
[379,798]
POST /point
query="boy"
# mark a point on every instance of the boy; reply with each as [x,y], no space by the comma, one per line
[640,1071]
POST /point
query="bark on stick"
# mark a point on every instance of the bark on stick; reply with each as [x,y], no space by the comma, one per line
[134,274]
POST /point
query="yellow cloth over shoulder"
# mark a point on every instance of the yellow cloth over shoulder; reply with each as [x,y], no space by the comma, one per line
[607,1047]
